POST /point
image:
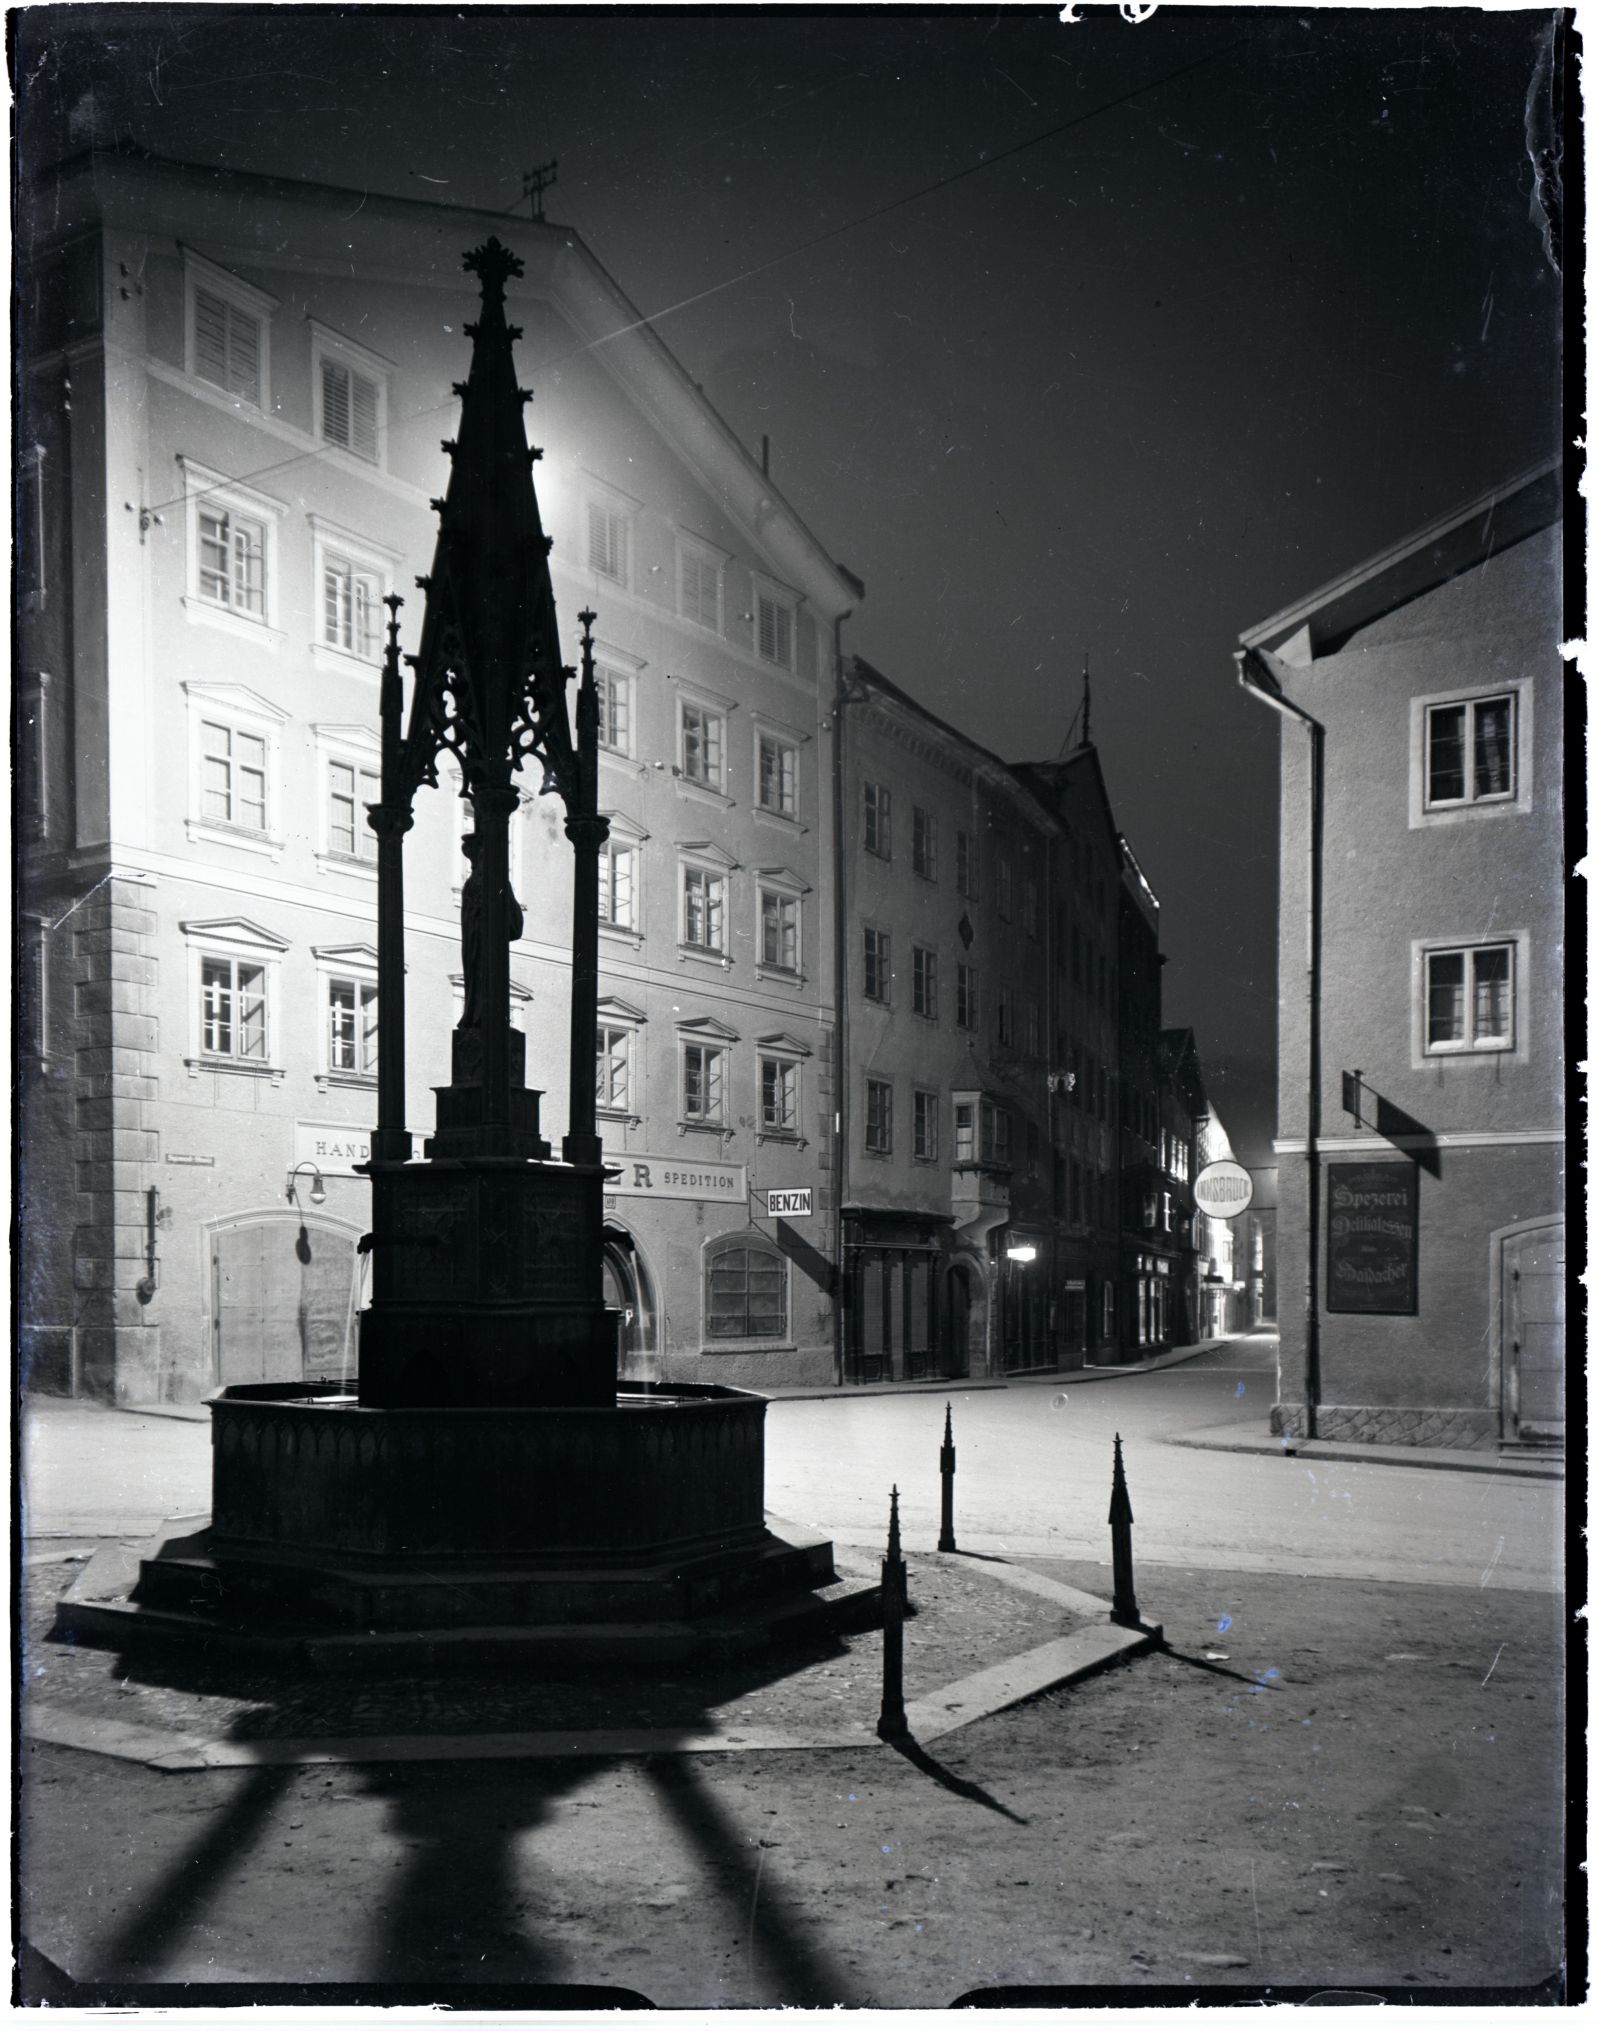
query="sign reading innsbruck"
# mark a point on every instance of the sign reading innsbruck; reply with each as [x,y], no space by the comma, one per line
[793,1205]
[1372,1238]
[648,1177]
[1223,1189]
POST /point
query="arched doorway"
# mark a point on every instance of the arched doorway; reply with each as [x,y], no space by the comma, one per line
[630,1290]
[284,1296]
[1529,1272]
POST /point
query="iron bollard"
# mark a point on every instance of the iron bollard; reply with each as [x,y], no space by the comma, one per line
[892,1715]
[947,1490]
[1124,1608]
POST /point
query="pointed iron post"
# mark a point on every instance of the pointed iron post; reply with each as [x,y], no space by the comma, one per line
[588,833]
[1124,1608]
[390,819]
[947,1488]
[892,1714]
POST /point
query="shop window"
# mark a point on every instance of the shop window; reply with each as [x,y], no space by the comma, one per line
[747,1290]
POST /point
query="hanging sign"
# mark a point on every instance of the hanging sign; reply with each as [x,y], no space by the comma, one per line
[1223,1189]
[791,1205]
[1372,1238]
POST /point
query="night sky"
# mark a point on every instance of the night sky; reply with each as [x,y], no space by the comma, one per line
[1100,337]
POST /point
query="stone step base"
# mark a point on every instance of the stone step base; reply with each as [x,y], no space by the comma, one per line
[189,1600]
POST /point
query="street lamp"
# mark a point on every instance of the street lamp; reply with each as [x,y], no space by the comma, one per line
[318,1192]
[1024,1251]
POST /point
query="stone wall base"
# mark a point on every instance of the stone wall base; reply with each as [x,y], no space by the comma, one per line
[1393,1424]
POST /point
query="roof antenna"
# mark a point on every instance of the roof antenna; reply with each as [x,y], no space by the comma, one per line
[1084,742]
[535,182]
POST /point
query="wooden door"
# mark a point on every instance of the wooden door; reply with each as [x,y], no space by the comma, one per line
[1533,1329]
[281,1295]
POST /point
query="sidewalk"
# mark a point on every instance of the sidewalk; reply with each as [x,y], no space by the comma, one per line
[1250,1439]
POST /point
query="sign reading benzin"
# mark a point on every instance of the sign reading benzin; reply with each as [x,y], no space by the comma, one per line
[1223,1189]
[794,1204]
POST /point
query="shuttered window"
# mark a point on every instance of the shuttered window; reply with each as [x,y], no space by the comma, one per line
[774,631]
[227,346]
[608,542]
[349,409]
[699,589]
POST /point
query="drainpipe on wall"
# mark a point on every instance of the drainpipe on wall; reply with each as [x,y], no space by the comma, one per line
[841,999]
[1257,675]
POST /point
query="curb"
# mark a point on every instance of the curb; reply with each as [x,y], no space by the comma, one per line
[1440,1459]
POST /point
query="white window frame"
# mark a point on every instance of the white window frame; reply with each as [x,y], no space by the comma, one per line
[244,711]
[708,706]
[241,297]
[243,942]
[618,1018]
[784,886]
[785,606]
[877,820]
[330,541]
[1474,810]
[624,837]
[789,740]
[884,1146]
[925,1111]
[924,851]
[705,1034]
[209,492]
[701,857]
[789,1053]
[705,557]
[1469,1050]
[613,682]
[337,350]
[357,964]
[925,983]
[352,747]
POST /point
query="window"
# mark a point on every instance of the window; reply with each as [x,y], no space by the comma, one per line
[349,410]
[780,1096]
[966,996]
[1002,886]
[350,790]
[613,1069]
[619,885]
[233,776]
[777,770]
[1004,1019]
[925,983]
[1470,999]
[700,588]
[875,965]
[875,819]
[231,553]
[1471,751]
[614,690]
[1030,906]
[966,1123]
[880,1117]
[233,559]
[703,907]
[352,597]
[353,1027]
[924,1126]
[747,1291]
[967,864]
[996,1134]
[233,1008]
[780,931]
[924,844]
[608,541]
[228,325]
[703,1067]
[700,744]
[1030,1038]
[775,630]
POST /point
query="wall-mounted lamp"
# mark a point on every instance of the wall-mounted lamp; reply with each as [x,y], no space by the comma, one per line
[1024,1251]
[318,1192]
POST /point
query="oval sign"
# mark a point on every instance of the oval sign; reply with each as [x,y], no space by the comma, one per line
[1223,1189]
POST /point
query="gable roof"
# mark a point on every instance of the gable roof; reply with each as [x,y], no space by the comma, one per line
[1457,542]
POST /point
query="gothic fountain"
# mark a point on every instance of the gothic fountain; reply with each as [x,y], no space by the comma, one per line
[488,1493]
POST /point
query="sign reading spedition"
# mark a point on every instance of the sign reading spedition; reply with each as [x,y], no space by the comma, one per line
[1223,1189]
[647,1177]
[1372,1238]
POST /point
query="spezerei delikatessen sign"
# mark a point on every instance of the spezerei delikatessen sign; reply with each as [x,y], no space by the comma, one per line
[1372,1238]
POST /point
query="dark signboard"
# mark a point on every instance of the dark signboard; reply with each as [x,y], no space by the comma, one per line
[1372,1238]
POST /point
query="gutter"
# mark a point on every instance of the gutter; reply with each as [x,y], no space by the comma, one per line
[842,696]
[1258,676]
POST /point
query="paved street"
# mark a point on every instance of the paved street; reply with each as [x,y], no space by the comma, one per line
[1033,1478]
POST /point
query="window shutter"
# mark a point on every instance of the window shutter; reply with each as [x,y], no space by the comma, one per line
[335,403]
[244,355]
[211,338]
[364,416]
